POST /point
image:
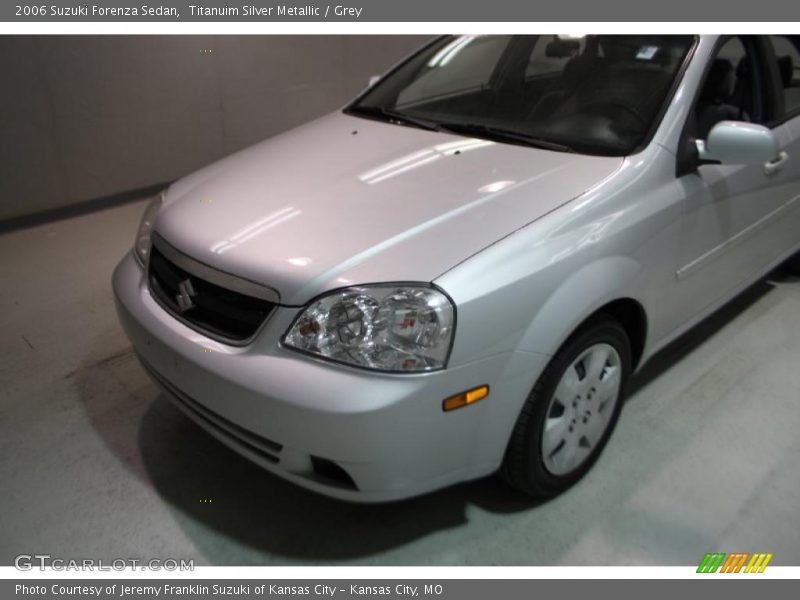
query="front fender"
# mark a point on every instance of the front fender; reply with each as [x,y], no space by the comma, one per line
[548,320]
[579,296]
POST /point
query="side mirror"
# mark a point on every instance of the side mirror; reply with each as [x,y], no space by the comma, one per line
[373,80]
[738,143]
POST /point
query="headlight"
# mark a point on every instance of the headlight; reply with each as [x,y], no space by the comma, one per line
[390,327]
[141,248]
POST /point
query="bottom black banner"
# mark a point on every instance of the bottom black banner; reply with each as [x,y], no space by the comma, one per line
[446,589]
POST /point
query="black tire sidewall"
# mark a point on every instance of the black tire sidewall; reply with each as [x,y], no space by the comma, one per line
[534,476]
[792,265]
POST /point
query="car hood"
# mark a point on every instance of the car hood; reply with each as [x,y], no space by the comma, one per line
[345,200]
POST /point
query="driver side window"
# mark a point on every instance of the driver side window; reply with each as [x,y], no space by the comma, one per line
[787,53]
[731,89]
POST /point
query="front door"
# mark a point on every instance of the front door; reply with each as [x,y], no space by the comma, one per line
[737,218]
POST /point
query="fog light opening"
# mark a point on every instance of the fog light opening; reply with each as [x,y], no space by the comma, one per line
[465,398]
[328,472]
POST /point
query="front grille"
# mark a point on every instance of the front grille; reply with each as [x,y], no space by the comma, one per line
[204,305]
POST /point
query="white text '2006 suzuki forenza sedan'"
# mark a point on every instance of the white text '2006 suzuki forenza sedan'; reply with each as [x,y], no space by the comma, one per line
[457,273]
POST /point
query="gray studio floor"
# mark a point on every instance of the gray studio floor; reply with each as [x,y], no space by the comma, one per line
[94,463]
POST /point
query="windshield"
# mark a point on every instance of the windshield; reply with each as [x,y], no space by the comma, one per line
[594,94]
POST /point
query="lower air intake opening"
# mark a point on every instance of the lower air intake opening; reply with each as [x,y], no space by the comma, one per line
[329,473]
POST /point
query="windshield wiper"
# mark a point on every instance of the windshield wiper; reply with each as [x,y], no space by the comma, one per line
[388,115]
[501,134]
[476,129]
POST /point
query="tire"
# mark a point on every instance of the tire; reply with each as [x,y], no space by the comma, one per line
[534,463]
[793,264]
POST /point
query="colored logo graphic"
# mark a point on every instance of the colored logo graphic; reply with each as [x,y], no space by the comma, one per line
[734,563]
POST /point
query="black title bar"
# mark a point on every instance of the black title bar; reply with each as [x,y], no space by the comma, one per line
[402,10]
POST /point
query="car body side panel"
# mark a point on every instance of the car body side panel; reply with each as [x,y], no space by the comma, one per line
[530,291]
[736,242]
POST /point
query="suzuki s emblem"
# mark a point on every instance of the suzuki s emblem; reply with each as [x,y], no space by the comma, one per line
[185,294]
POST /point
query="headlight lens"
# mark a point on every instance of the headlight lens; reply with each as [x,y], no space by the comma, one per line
[387,328]
[141,247]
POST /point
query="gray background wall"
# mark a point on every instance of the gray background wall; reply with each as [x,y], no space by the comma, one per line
[83,117]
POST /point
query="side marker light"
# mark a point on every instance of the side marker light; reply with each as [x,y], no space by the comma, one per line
[465,398]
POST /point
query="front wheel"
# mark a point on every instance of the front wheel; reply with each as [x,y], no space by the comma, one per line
[571,411]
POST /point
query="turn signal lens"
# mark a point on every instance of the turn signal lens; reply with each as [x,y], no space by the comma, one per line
[465,398]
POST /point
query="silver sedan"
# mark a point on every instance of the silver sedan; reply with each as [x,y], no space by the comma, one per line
[457,273]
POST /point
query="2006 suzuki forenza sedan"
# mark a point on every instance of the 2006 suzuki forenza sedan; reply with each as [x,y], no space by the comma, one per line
[457,273]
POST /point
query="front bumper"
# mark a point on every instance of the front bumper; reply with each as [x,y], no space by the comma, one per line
[287,411]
